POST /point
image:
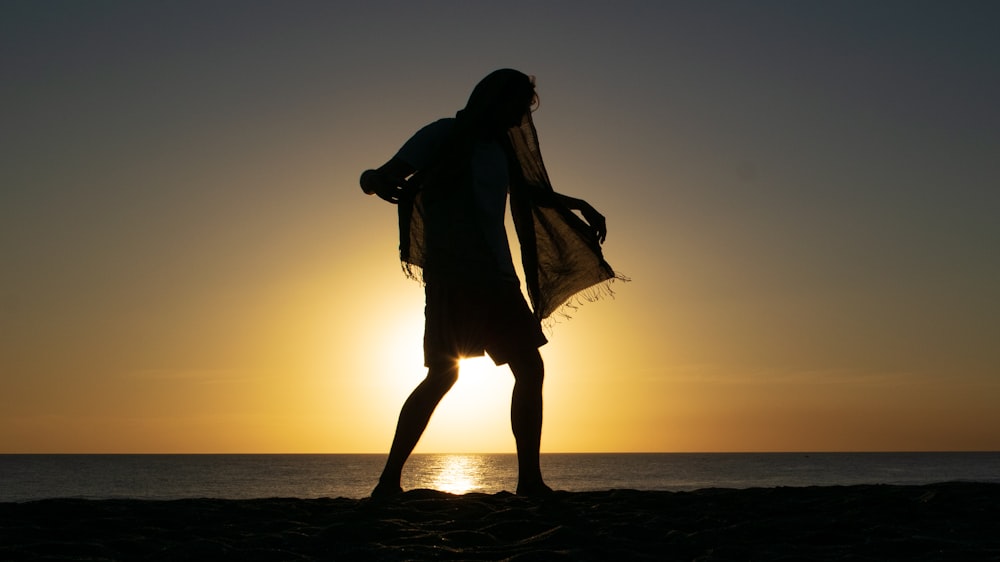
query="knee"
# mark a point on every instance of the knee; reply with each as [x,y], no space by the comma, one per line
[528,368]
[442,375]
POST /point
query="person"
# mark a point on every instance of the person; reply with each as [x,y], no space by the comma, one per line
[451,182]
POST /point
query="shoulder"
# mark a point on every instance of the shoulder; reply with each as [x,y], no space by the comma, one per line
[425,142]
[437,130]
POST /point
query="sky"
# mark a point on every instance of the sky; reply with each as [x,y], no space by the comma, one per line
[804,195]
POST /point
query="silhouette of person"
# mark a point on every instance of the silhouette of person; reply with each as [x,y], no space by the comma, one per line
[451,182]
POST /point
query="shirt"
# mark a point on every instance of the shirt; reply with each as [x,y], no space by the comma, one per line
[471,223]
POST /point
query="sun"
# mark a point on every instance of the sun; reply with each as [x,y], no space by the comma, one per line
[469,367]
[479,378]
[474,416]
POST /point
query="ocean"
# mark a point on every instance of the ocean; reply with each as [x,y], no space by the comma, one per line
[166,477]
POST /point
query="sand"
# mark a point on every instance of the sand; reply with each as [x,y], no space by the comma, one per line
[953,521]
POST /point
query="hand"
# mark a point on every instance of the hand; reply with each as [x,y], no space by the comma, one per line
[594,219]
[378,183]
[596,222]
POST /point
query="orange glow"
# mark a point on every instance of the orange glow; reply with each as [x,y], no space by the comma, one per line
[191,267]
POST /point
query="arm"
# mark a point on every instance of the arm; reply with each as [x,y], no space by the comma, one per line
[593,218]
[388,181]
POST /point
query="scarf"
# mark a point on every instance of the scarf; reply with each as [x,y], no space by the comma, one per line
[561,256]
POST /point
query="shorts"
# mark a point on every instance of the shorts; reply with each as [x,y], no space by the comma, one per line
[468,320]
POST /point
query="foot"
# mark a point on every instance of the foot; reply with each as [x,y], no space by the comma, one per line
[534,490]
[383,491]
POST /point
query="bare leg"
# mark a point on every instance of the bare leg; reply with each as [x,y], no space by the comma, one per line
[526,421]
[413,418]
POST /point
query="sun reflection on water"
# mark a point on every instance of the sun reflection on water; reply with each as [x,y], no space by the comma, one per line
[455,474]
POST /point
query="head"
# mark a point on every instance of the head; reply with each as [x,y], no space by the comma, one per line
[501,100]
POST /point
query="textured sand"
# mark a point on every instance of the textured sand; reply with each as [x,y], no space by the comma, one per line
[953,521]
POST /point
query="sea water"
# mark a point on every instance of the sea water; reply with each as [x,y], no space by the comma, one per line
[164,477]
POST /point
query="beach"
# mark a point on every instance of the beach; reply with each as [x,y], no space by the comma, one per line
[948,521]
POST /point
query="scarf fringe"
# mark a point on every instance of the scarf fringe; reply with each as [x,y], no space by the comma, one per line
[413,272]
[594,293]
[565,312]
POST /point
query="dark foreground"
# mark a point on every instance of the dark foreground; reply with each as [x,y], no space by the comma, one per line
[955,521]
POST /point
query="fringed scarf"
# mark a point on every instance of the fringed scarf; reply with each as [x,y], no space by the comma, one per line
[562,258]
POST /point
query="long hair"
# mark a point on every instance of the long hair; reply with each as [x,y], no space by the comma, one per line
[498,102]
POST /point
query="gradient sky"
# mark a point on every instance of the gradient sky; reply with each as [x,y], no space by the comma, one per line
[805,195]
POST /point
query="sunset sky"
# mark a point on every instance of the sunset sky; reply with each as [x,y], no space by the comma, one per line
[805,195]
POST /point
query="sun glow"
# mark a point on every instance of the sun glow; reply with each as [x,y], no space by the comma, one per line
[470,367]
[474,416]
